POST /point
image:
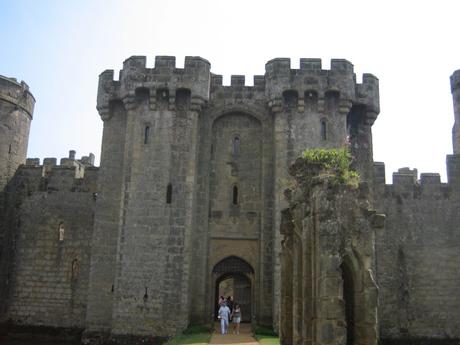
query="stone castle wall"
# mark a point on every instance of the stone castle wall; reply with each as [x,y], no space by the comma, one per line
[417,254]
[143,234]
[49,218]
[158,123]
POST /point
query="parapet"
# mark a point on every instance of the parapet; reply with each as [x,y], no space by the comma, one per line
[310,77]
[407,184]
[70,175]
[161,84]
[17,93]
[195,77]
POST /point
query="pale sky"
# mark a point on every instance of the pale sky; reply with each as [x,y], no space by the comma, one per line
[60,47]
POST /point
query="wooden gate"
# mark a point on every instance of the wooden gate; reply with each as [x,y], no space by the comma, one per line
[242,274]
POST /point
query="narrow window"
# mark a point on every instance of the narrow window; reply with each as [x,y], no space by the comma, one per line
[146,134]
[75,269]
[323,130]
[9,149]
[61,231]
[169,194]
[235,146]
[235,195]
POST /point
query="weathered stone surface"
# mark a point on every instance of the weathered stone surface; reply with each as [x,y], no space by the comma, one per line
[192,176]
[328,254]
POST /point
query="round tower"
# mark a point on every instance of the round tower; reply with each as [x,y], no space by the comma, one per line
[16,110]
[455,88]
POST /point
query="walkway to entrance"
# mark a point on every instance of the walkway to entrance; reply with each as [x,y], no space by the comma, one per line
[244,338]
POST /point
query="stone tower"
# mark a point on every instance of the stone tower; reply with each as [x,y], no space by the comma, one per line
[455,88]
[16,110]
[146,190]
[191,184]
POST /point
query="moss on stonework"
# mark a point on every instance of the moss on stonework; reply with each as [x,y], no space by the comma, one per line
[326,165]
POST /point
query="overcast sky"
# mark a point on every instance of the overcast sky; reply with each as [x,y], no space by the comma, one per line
[60,47]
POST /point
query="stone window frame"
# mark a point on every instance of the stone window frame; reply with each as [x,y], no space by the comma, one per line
[61,232]
[236,145]
[290,99]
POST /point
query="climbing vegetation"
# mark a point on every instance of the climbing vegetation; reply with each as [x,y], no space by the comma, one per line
[331,164]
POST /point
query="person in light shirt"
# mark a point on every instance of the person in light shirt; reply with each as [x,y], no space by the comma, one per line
[224,315]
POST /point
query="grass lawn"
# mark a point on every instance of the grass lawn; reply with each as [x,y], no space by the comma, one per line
[266,336]
[267,339]
[193,336]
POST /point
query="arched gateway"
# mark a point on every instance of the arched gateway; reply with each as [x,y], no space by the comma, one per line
[234,277]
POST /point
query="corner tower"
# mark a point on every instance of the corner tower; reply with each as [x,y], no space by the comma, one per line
[16,110]
[139,274]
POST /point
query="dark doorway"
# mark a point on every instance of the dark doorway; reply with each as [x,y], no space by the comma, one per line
[348,297]
[233,278]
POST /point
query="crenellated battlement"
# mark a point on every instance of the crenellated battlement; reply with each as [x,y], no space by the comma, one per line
[17,93]
[406,182]
[164,77]
[237,92]
[311,78]
[163,83]
[76,175]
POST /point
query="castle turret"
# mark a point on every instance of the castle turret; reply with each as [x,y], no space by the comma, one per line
[455,88]
[16,110]
[146,190]
[317,108]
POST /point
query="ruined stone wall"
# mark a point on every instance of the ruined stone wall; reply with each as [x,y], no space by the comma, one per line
[313,107]
[328,291]
[417,255]
[16,111]
[49,222]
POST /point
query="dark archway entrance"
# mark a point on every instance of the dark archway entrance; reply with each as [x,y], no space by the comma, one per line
[349,298]
[234,277]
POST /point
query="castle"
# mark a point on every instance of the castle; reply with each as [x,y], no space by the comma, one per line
[190,194]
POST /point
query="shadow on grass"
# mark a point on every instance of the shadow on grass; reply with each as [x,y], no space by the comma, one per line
[196,335]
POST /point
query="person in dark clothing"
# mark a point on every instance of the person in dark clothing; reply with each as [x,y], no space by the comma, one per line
[230,303]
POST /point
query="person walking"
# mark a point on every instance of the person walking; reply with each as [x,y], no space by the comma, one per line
[221,300]
[230,303]
[224,315]
[236,316]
